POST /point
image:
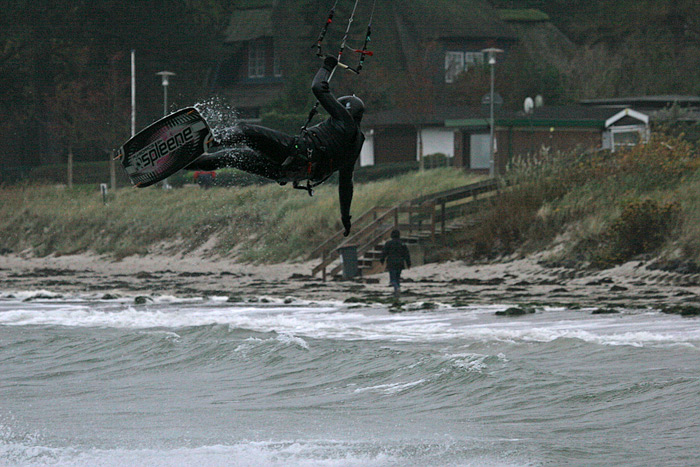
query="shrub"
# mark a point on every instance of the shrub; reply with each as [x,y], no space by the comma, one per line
[641,228]
[438,159]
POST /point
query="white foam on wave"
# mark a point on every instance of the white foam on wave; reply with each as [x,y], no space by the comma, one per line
[252,343]
[391,388]
[43,296]
[293,340]
[32,295]
[335,321]
[470,362]
[168,335]
[141,318]
[245,454]
[323,453]
[635,332]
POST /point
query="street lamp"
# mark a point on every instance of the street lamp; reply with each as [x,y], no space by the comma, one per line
[165,78]
[165,75]
[491,54]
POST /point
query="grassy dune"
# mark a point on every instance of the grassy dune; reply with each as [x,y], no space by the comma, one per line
[253,223]
[597,209]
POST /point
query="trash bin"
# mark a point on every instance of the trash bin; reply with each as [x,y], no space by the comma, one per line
[348,258]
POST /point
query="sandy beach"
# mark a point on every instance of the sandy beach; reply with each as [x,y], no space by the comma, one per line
[519,282]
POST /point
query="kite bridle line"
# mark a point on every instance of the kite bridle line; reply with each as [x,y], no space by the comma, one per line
[324,30]
[363,51]
[344,42]
[368,38]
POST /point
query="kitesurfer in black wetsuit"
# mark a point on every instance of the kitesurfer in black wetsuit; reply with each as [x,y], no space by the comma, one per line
[314,155]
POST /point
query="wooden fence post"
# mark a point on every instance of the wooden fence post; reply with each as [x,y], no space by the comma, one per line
[444,213]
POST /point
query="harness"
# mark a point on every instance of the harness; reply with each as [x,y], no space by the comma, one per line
[305,154]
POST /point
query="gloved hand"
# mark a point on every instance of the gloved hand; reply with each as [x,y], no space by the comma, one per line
[347,225]
[330,62]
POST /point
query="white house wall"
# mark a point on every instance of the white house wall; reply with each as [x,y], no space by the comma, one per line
[436,140]
[367,154]
[607,140]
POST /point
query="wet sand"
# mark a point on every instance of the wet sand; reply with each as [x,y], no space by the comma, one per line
[521,282]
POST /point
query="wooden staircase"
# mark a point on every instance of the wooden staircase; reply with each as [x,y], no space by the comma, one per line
[419,220]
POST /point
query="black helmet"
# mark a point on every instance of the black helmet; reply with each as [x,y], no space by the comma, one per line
[354,105]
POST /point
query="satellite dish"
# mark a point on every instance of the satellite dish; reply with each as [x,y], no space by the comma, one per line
[539,101]
[528,105]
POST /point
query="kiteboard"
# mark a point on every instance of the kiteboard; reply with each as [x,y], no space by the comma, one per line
[166,146]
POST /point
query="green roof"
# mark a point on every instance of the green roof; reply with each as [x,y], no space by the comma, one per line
[250,24]
[551,123]
[524,122]
[522,15]
[467,122]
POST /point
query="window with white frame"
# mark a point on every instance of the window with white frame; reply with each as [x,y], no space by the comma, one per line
[459,62]
[472,59]
[626,136]
[454,65]
[256,59]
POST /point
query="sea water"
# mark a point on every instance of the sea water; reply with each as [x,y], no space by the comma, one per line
[86,381]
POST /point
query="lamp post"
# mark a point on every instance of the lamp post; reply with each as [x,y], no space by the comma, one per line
[165,78]
[491,54]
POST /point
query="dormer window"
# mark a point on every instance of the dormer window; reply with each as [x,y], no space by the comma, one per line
[457,62]
[256,58]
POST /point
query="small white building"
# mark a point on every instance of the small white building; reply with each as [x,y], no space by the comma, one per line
[621,131]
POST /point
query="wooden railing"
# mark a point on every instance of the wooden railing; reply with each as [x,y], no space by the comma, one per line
[332,242]
[425,214]
[331,253]
[458,193]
